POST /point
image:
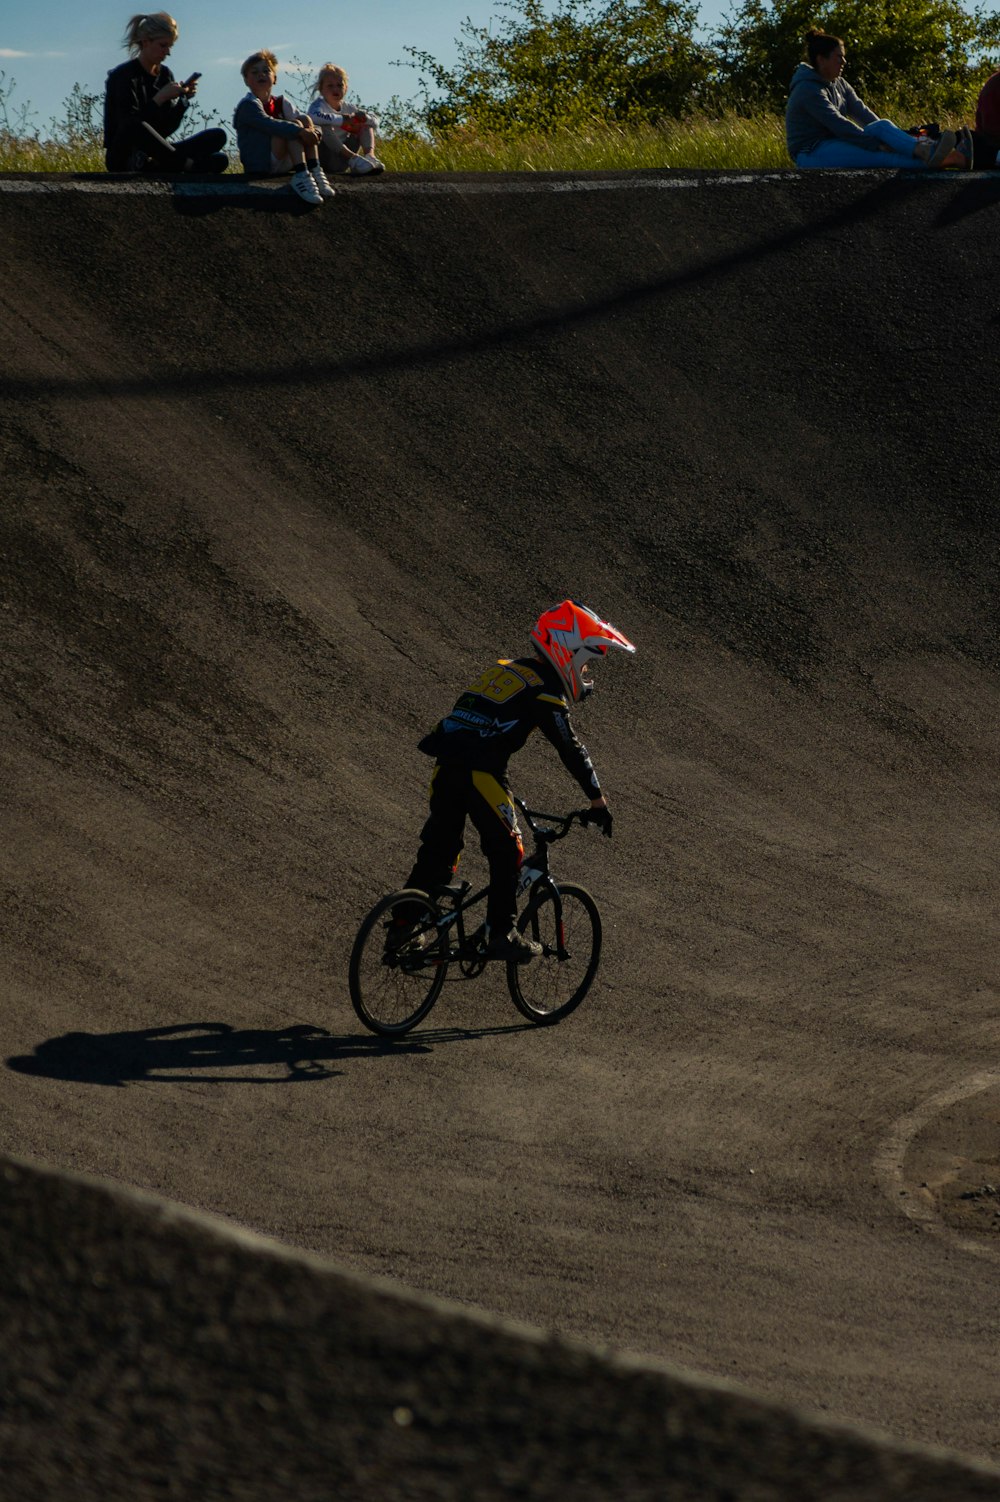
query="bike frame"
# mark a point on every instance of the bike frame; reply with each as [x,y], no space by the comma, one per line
[543,882]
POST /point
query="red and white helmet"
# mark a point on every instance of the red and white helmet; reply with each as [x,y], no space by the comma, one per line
[568,636]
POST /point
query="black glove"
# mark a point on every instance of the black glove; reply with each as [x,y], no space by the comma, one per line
[602,818]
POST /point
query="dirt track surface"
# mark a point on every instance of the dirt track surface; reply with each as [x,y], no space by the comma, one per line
[276,485]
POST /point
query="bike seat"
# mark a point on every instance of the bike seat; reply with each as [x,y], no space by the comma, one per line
[456,891]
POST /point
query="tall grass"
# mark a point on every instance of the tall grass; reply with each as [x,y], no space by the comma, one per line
[700,142]
[73,143]
[730,142]
[29,154]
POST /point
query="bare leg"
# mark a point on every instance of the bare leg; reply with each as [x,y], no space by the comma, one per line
[338,157]
[288,151]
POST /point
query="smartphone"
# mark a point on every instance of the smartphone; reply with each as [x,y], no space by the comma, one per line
[193,79]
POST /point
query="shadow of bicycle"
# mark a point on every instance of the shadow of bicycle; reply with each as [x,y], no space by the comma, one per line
[215,1052]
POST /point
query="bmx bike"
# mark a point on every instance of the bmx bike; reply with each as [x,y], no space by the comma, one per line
[409,939]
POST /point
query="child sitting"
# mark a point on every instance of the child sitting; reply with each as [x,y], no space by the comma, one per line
[273,137]
[348,134]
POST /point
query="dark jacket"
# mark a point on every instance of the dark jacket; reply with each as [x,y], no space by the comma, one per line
[128,104]
[497,713]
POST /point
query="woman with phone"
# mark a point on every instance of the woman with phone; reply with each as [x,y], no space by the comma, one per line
[144,105]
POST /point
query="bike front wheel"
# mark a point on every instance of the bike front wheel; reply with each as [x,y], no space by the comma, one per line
[398,963]
[568,926]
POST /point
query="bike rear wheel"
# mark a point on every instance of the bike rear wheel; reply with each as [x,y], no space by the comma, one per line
[550,986]
[398,963]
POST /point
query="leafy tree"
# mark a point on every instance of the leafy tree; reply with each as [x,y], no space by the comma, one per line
[629,61]
[927,57]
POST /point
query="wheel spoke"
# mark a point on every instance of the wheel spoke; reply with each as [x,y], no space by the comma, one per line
[549,987]
[398,963]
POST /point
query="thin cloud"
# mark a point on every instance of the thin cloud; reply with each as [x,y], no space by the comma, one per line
[289,65]
[12,52]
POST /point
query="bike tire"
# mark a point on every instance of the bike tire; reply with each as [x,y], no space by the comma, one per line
[393,990]
[548,988]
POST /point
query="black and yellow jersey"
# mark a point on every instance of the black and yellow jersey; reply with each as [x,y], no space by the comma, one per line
[495,715]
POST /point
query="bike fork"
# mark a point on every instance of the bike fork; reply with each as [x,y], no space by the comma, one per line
[546,884]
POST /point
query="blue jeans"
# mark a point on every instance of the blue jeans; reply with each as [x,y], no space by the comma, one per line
[834,153]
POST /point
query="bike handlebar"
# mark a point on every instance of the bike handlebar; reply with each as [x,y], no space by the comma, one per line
[562,823]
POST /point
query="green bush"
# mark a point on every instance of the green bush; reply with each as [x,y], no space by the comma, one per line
[626,61]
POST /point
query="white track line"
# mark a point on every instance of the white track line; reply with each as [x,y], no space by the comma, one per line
[890,1158]
[514,183]
[520,183]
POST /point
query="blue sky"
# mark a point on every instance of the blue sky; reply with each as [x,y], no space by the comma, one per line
[45,49]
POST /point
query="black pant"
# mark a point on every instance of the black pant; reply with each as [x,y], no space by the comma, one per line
[458,793]
[151,152]
[984,151]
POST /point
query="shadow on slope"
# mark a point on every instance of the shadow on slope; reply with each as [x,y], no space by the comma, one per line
[561,319]
[211,1052]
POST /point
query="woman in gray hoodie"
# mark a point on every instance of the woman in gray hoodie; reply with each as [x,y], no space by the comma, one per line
[827,125]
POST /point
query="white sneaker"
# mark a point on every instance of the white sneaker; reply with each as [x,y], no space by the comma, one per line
[358,166]
[319,177]
[377,166]
[514,946]
[303,185]
[932,153]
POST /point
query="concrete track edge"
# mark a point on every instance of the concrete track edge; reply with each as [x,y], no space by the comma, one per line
[153,1350]
[421,184]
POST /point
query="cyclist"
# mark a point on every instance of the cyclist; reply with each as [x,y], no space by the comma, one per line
[472,745]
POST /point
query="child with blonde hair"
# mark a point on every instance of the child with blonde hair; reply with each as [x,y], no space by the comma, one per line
[348,133]
[273,137]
